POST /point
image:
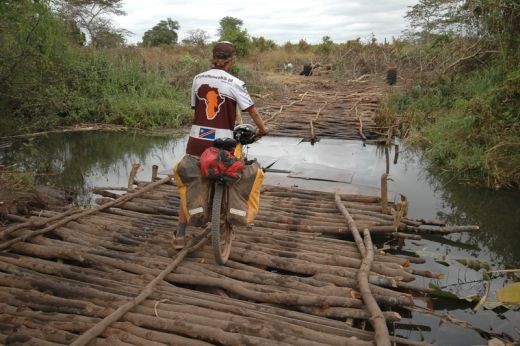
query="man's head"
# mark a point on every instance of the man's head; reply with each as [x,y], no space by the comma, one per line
[223,54]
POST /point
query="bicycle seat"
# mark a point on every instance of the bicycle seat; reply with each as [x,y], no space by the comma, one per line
[225,143]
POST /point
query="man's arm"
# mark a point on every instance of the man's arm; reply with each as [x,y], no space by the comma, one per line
[262,129]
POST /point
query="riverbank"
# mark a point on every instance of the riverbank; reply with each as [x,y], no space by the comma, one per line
[20,197]
[468,126]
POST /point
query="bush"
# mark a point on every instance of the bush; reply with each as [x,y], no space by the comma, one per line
[469,125]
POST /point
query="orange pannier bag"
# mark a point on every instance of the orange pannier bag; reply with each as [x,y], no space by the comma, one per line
[244,195]
[193,190]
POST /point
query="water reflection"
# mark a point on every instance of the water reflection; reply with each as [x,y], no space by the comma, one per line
[79,161]
[497,213]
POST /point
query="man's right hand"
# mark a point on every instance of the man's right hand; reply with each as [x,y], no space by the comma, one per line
[262,132]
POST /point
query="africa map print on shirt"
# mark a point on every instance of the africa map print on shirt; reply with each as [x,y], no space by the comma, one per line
[212,99]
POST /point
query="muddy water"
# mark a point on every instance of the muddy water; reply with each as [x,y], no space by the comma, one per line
[81,161]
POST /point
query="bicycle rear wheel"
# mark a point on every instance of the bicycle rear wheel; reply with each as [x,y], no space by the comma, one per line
[221,232]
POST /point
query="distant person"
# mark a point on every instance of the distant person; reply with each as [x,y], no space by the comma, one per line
[290,68]
[215,95]
[307,70]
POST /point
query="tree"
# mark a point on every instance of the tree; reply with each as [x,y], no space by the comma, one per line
[326,45]
[33,61]
[288,46]
[197,38]
[493,21]
[262,44]
[90,16]
[231,30]
[162,33]
[303,46]
[109,38]
[76,36]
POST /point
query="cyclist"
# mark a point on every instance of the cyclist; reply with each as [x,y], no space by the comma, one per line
[215,95]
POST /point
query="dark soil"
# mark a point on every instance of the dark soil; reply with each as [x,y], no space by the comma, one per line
[23,202]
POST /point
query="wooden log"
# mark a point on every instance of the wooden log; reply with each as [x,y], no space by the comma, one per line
[403,298]
[351,225]
[116,315]
[15,339]
[59,322]
[317,243]
[319,249]
[131,177]
[433,229]
[425,272]
[155,170]
[323,259]
[278,191]
[272,313]
[206,333]
[106,193]
[319,204]
[382,337]
[301,228]
[400,235]
[295,326]
[159,337]
[129,213]
[31,328]
[253,292]
[299,218]
[268,278]
[13,218]
[122,285]
[297,266]
[344,313]
[36,222]
[64,221]
[246,326]
[384,193]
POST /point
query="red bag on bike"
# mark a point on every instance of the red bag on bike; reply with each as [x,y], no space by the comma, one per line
[220,164]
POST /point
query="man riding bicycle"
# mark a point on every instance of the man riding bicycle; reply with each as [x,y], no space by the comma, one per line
[215,95]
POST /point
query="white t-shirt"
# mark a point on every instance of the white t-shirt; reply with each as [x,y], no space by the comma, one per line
[228,86]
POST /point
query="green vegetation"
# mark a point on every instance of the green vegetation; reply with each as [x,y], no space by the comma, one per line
[465,106]
[47,80]
[231,30]
[469,124]
[164,33]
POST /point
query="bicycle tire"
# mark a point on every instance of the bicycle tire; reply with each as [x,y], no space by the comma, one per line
[221,245]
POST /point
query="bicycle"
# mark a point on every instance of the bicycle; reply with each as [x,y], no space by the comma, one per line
[221,229]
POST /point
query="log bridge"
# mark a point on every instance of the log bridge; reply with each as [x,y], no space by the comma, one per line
[312,111]
[302,274]
[305,273]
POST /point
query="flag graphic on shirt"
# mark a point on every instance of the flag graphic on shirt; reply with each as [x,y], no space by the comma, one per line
[207,133]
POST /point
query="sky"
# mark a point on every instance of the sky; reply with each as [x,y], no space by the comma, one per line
[280,21]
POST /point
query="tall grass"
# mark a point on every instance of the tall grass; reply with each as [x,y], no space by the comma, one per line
[469,125]
[120,90]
